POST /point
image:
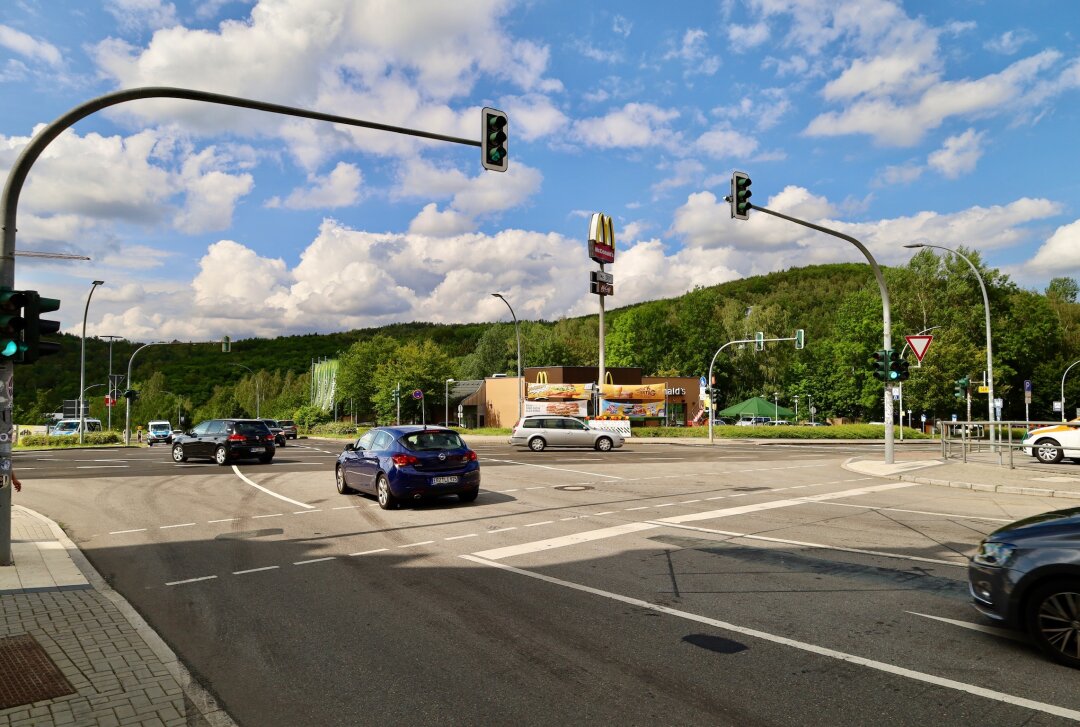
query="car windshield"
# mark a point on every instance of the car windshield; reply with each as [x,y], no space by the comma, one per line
[250,428]
[432,441]
[159,428]
[66,426]
[270,422]
[286,422]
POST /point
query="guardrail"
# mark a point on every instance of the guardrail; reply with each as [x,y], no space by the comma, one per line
[972,438]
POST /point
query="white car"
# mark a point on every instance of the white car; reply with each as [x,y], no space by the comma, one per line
[1054,443]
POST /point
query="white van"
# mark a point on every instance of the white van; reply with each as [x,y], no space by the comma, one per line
[158,431]
[68,427]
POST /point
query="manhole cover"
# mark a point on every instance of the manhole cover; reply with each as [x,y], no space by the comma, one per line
[27,674]
[574,488]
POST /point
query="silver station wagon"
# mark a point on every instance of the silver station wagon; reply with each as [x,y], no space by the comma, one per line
[541,431]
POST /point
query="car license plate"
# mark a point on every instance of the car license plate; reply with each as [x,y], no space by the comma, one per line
[449,480]
[256,450]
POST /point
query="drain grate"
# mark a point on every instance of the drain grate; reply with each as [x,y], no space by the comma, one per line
[574,488]
[27,674]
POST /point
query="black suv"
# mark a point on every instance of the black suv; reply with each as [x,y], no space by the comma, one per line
[277,430]
[224,440]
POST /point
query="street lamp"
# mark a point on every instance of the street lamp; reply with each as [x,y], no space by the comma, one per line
[1063,389]
[256,386]
[776,406]
[796,408]
[446,402]
[989,349]
[82,360]
[517,334]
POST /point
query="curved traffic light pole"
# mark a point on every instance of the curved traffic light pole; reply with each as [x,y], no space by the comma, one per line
[9,203]
[885,313]
[712,404]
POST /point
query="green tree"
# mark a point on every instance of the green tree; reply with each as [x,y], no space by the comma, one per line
[424,366]
[356,371]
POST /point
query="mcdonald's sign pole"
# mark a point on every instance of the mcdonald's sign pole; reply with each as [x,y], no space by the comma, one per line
[601,283]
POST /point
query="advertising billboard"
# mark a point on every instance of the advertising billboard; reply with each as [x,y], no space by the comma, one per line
[556,391]
[634,410]
[642,392]
[560,408]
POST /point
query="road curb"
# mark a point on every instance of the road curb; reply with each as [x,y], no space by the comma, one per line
[962,485]
[199,696]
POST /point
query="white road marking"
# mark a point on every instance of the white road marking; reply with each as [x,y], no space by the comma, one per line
[718,497]
[276,514]
[560,469]
[101,466]
[190,580]
[514,490]
[803,544]
[1003,633]
[606,512]
[459,537]
[667,504]
[413,545]
[224,520]
[533,525]
[801,645]
[346,507]
[687,502]
[643,507]
[121,532]
[305,512]
[181,525]
[369,552]
[924,512]
[502,530]
[536,488]
[254,570]
[257,486]
[539,545]
[316,560]
[564,519]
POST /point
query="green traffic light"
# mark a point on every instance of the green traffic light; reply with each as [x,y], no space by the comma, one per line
[10,349]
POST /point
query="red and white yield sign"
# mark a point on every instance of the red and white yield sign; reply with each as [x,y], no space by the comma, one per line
[919,344]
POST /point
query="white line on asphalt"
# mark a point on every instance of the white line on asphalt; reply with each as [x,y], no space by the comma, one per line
[346,507]
[121,532]
[560,469]
[413,545]
[181,525]
[276,514]
[718,497]
[605,512]
[514,490]
[666,504]
[305,512]
[542,487]
[803,544]
[533,525]
[521,549]
[224,520]
[687,502]
[502,530]
[1003,633]
[254,570]
[564,519]
[369,552]
[643,507]
[257,486]
[316,560]
[101,466]
[801,645]
[924,512]
[459,537]
[190,580]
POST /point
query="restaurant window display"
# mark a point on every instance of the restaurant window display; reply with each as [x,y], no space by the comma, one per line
[639,403]
[557,399]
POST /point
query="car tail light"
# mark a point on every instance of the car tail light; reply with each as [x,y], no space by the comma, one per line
[404,459]
[269,437]
[237,438]
[469,456]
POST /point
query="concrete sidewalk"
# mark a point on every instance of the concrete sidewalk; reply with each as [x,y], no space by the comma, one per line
[981,476]
[74,652]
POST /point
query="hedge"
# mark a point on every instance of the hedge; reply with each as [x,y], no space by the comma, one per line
[69,440]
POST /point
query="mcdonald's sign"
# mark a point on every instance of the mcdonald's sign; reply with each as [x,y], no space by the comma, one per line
[601,238]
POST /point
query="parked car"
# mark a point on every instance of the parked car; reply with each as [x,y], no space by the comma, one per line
[277,430]
[70,427]
[411,462]
[158,432]
[289,427]
[225,440]
[779,423]
[721,421]
[816,424]
[1055,443]
[1027,575]
[538,432]
[753,421]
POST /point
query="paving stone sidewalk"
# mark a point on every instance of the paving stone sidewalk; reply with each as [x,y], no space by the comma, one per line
[74,652]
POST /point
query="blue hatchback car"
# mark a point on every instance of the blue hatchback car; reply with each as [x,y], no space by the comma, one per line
[408,463]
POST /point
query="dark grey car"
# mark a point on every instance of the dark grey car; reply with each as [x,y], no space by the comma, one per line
[1027,574]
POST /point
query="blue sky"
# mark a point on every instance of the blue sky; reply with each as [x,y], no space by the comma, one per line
[948,122]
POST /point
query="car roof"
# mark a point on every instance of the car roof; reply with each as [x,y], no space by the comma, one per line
[401,429]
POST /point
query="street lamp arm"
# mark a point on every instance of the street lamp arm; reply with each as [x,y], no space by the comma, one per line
[1063,388]
[712,407]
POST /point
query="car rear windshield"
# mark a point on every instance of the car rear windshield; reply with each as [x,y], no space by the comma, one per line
[287,423]
[250,428]
[432,441]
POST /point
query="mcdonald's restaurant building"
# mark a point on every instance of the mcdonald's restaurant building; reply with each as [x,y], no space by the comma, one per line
[573,390]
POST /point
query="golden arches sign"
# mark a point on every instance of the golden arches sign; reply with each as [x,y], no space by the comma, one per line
[609,379]
[601,238]
[541,378]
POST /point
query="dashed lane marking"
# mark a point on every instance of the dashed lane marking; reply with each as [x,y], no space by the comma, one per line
[533,525]
[459,537]
[314,560]
[179,525]
[276,514]
[369,552]
[190,580]
[255,570]
[413,545]
[133,530]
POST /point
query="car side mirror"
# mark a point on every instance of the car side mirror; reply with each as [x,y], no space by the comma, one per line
[350,447]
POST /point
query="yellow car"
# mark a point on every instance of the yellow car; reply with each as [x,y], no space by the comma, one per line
[1054,443]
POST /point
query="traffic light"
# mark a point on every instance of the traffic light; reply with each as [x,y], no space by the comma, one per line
[36,327]
[898,369]
[12,325]
[881,365]
[131,395]
[800,339]
[493,153]
[740,195]
[961,387]
[226,344]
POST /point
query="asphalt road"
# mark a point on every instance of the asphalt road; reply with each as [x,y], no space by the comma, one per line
[659,584]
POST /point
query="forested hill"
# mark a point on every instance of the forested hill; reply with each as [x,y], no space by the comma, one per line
[839,307]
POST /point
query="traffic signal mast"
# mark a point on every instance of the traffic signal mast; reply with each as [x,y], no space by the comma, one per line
[493,154]
[740,195]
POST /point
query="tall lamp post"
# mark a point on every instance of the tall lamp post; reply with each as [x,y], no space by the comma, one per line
[256,387]
[989,349]
[446,402]
[1063,389]
[82,361]
[517,334]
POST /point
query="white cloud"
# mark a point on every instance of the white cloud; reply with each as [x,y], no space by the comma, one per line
[339,188]
[136,257]
[234,282]
[899,174]
[764,113]
[634,125]
[746,37]
[1060,254]
[621,26]
[1010,42]
[726,143]
[534,117]
[29,47]
[694,53]
[136,15]
[472,196]
[958,155]
[447,223]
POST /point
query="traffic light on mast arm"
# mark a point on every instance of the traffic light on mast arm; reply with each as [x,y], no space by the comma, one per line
[493,138]
[36,326]
[12,325]
[899,369]
[961,387]
[740,195]
[880,360]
